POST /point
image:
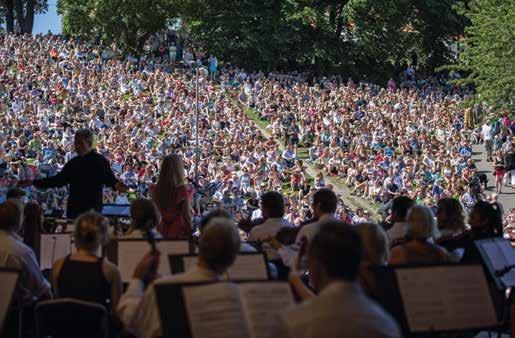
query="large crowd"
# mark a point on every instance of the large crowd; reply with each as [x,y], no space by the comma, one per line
[411,138]
[406,147]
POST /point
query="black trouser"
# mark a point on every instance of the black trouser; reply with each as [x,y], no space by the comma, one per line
[489,147]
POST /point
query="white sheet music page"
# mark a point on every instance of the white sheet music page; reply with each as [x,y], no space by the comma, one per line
[263,304]
[446,298]
[508,251]
[248,267]
[170,248]
[189,262]
[53,247]
[131,252]
[495,254]
[215,311]
[509,255]
[501,254]
[8,285]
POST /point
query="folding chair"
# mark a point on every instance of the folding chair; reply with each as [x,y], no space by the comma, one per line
[71,318]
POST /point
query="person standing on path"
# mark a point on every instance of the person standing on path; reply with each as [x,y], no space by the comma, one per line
[499,170]
[509,161]
[487,132]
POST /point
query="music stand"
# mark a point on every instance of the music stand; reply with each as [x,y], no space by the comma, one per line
[134,249]
[9,278]
[499,259]
[175,315]
[427,300]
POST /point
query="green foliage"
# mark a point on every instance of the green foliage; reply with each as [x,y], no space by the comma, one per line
[128,22]
[357,37]
[18,15]
[488,55]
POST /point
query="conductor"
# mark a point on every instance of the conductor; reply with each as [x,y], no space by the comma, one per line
[86,174]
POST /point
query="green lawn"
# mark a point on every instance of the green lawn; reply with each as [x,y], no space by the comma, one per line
[254,116]
[303,154]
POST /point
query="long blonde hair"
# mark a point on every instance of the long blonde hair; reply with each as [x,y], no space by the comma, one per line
[171,176]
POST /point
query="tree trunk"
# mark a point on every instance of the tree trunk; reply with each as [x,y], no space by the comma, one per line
[9,15]
[29,16]
[20,17]
[25,15]
[141,43]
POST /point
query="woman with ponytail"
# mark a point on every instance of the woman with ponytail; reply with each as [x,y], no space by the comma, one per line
[85,275]
[144,217]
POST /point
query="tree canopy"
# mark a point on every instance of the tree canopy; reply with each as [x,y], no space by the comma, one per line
[128,22]
[488,55]
[359,37]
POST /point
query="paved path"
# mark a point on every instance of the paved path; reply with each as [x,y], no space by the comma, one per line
[507,197]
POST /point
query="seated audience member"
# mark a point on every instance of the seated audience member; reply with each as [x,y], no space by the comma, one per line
[342,308]
[219,244]
[32,224]
[419,247]
[17,255]
[144,217]
[83,275]
[272,206]
[451,225]
[376,252]
[15,194]
[400,207]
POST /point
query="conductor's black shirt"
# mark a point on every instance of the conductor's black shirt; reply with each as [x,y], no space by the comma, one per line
[86,176]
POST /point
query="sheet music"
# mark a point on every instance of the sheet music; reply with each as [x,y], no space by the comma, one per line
[189,262]
[508,251]
[131,252]
[214,311]
[263,303]
[501,254]
[248,267]
[446,298]
[170,248]
[495,254]
[53,247]
[8,279]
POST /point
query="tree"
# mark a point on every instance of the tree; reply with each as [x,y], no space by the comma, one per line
[19,14]
[128,22]
[356,37]
[488,55]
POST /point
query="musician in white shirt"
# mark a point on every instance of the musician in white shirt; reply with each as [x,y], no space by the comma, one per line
[324,206]
[272,206]
[342,309]
[138,310]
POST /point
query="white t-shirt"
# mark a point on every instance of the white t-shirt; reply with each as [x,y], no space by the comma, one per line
[487,132]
